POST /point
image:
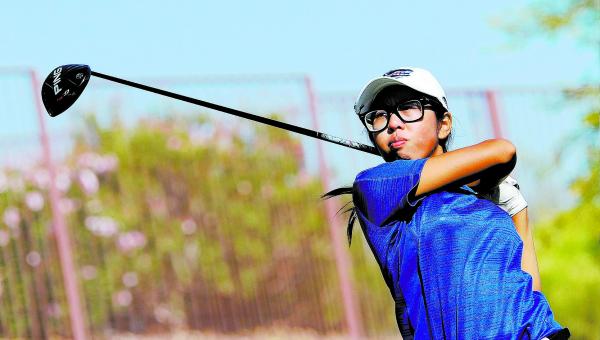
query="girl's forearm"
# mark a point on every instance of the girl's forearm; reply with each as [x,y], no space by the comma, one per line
[488,161]
[529,260]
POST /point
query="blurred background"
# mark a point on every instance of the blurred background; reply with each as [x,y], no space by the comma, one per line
[137,216]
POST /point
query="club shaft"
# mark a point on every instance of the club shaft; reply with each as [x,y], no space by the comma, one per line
[275,123]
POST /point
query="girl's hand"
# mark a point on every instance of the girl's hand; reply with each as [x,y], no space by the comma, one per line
[507,196]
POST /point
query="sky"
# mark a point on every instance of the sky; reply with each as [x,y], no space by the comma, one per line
[340,44]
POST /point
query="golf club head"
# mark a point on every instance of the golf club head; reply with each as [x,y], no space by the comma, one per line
[63,86]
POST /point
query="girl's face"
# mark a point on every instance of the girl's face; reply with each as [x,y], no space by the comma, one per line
[415,140]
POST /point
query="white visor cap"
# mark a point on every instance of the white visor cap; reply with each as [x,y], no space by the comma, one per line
[417,79]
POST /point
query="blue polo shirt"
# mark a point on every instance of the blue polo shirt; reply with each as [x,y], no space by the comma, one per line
[451,260]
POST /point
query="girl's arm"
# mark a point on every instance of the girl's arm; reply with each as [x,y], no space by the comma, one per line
[529,260]
[486,164]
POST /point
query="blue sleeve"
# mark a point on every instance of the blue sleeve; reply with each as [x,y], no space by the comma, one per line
[387,188]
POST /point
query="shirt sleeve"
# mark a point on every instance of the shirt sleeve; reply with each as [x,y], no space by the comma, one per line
[387,189]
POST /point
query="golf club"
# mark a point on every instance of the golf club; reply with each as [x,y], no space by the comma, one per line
[65,84]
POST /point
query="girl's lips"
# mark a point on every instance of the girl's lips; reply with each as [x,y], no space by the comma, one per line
[397,144]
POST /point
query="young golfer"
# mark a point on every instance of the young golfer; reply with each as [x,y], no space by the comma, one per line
[451,259]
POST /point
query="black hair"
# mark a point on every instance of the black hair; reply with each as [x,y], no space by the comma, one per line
[387,99]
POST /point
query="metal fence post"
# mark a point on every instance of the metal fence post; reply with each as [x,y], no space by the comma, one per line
[490,98]
[342,257]
[59,225]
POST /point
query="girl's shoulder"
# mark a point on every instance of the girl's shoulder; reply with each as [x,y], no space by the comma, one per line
[398,168]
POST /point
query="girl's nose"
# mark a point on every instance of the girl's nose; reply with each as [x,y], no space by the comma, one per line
[395,122]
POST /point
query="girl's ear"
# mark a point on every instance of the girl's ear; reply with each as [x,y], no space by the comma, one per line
[445,126]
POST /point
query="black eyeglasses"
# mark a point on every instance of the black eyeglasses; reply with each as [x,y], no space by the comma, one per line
[408,112]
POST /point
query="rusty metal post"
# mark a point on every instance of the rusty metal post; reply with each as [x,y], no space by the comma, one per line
[490,97]
[59,225]
[342,257]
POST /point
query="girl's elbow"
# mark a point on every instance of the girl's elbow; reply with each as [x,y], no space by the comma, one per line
[507,152]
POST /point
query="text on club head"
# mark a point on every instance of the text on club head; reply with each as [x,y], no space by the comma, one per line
[56,80]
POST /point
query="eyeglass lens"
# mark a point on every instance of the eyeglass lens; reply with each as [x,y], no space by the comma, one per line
[408,112]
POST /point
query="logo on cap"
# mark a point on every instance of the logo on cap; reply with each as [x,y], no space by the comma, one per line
[403,72]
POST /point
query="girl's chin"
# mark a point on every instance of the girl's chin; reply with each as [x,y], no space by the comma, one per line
[395,155]
[402,154]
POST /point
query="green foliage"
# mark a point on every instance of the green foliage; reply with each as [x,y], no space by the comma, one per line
[569,251]
[181,215]
[569,244]
[578,18]
[240,203]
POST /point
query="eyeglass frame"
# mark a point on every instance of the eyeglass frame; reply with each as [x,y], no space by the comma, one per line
[425,103]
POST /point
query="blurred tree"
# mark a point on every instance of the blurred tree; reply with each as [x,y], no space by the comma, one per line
[177,223]
[212,214]
[222,216]
[578,18]
[569,244]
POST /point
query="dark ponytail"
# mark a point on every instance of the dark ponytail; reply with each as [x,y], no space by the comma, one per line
[351,209]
